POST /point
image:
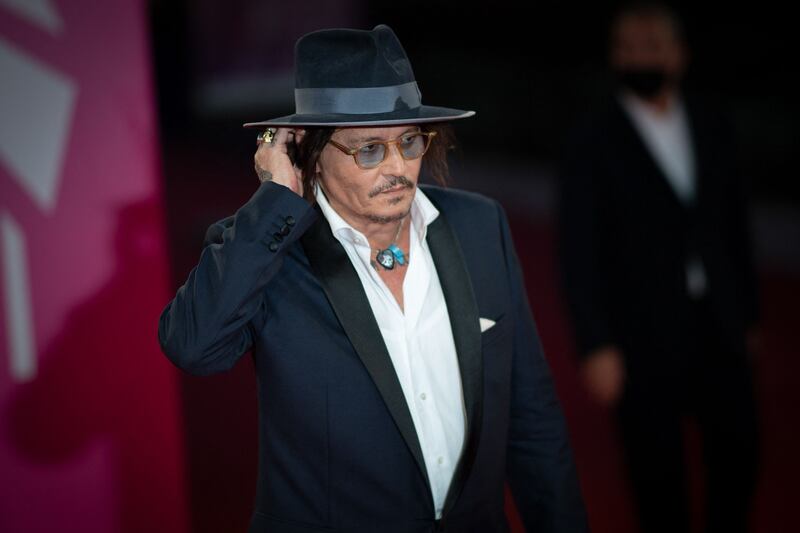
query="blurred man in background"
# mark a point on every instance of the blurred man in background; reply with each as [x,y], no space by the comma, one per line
[659,276]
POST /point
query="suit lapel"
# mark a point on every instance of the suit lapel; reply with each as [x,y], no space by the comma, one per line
[343,288]
[463,312]
[693,115]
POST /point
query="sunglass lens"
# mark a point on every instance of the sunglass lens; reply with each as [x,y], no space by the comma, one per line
[371,155]
[413,146]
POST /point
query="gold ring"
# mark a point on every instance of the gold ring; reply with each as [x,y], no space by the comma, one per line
[266,136]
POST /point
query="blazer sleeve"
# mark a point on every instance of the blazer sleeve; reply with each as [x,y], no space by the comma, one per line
[207,327]
[581,230]
[539,465]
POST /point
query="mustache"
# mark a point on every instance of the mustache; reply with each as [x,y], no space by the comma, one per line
[393,181]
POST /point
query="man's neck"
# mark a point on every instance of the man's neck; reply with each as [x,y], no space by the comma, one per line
[662,102]
[382,234]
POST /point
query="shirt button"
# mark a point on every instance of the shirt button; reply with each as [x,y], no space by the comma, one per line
[440,460]
[423,396]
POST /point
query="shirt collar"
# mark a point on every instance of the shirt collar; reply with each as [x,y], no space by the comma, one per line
[423,212]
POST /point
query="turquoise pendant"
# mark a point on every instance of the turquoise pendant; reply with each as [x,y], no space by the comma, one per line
[398,254]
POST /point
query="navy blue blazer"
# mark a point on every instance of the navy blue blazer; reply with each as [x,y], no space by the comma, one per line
[338,450]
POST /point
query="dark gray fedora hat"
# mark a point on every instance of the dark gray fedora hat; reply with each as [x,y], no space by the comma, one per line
[349,77]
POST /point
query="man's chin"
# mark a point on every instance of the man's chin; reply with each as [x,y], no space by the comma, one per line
[391,214]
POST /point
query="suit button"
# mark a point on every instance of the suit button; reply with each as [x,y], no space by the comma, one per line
[273,246]
[285,229]
[290,220]
[278,236]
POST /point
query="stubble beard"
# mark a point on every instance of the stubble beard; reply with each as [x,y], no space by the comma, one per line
[387,219]
[392,218]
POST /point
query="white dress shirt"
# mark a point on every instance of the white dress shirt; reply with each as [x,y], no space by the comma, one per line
[419,340]
[668,138]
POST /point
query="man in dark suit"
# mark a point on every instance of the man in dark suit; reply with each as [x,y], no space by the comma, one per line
[659,276]
[400,375]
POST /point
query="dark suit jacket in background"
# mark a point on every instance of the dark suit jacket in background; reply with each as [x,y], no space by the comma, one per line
[338,450]
[625,237]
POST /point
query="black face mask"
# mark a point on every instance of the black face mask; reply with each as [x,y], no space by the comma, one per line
[644,81]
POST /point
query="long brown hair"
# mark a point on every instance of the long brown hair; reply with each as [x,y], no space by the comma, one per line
[316,137]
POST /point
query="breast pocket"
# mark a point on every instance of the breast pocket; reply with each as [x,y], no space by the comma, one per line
[497,346]
[498,330]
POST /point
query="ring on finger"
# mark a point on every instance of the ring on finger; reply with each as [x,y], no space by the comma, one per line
[266,136]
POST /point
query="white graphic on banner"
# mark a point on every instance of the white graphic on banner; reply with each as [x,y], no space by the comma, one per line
[19,323]
[36,104]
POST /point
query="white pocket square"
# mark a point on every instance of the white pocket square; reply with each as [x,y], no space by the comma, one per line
[486,323]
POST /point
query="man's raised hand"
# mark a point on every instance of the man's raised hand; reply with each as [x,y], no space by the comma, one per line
[272,160]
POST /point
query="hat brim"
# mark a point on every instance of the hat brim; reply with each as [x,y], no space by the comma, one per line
[424,113]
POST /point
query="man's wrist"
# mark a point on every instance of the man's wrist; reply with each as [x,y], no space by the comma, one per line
[263,175]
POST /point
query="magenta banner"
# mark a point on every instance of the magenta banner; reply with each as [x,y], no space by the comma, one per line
[90,430]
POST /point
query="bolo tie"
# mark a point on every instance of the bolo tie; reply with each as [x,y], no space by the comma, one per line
[391,255]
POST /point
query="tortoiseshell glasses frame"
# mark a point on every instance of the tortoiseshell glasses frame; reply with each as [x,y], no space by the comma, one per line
[357,151]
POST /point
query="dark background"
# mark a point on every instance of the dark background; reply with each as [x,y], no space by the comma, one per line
[528,71]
